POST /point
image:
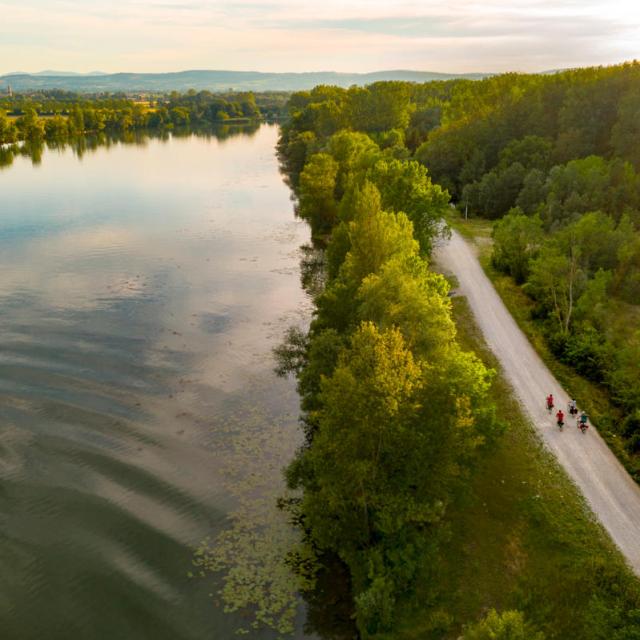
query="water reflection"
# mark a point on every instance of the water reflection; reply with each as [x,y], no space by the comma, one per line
[81,145]
[142,291]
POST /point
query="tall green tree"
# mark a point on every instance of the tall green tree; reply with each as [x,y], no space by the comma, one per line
[317,202]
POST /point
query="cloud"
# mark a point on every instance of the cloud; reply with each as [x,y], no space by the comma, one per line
[289,35]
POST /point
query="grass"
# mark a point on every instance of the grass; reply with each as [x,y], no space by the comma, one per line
[522,538]
[472,229]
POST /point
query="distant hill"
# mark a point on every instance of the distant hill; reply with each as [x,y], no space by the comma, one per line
[51,72]
[211,80]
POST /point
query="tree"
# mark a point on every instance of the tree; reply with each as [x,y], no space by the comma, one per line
[354,152]
[626,131]
[316,192]
[8,132]
[407,187]
[533,192]
[499,189]
[293,153]
[508,625]
[627,275]
[380,106]
[517,239]
[76,120]
[406,295]
[31,126]
[555,281]
[393,437]
[180,116]
[374,239]
[532,152]
[56,128]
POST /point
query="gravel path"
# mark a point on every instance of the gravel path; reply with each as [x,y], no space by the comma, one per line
[612,494]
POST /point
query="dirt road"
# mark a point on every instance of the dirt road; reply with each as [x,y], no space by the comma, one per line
[612,494]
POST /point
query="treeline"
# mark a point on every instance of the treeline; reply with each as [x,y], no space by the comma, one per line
[57,115]
[395,412]
[556,160]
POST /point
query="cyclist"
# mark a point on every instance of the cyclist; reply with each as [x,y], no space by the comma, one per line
[560,418]
[550,402]
[582,422]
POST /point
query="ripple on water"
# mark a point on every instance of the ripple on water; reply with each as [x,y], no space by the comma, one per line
[137,407]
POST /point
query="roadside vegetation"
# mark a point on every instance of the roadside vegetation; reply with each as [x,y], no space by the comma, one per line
[593,397]
[559,177]
[520,539]
[419,472]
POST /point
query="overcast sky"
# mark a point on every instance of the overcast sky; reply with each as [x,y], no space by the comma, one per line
[313,35]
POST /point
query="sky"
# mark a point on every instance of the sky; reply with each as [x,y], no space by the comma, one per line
[453,36]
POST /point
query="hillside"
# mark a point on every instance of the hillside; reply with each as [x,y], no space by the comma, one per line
[213,80]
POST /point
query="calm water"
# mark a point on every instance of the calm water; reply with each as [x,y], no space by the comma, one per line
[142,289]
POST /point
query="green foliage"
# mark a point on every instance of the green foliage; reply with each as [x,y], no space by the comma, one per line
[395,413]
[317,188]
[517,239]
[380,106]
[590,184]
[572,275]
[533,192]
[354,153]
[625,132]
[394,437]
[532,152]
[551,158]
[30,126]
[405,186]
[405,294]
[375,239]
[293,153]
[360,201]
[508,625]
[521,539]
[365,131]
[59,115]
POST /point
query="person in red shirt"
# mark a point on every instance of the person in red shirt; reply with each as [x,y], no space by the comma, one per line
[560,418]
[550,402]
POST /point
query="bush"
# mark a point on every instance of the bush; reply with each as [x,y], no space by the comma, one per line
[509,625]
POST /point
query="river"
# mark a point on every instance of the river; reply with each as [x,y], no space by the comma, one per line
[142,289]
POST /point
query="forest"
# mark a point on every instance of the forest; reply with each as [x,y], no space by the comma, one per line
[397,414]
[554,160]
[59,115]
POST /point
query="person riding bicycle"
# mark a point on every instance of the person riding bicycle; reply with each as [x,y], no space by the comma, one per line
[550,401]
[583,420]
[573,407]
[560,418]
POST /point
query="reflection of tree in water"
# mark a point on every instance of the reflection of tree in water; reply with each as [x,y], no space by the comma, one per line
[253,553]
[7,153]
[33,149]
[328,596]
[91,142]
[330,603]
[260,556]
[312,274]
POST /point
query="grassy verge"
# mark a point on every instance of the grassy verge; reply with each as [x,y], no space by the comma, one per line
[594,398]
[521,539]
